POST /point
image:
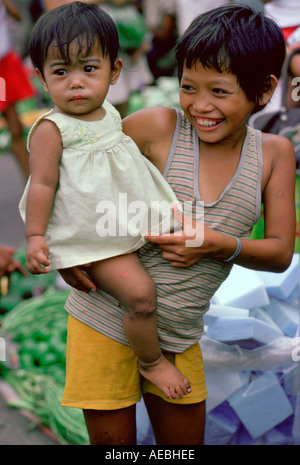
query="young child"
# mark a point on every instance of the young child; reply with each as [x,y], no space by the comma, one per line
[82,165]
[229,61]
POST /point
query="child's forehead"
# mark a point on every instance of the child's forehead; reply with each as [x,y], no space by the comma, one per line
[200,74]
[76,48]
[199,68]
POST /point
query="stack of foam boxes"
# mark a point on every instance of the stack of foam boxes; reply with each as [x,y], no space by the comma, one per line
[251,352]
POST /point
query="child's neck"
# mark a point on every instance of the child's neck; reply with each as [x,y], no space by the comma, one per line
[217,165]
[95,115]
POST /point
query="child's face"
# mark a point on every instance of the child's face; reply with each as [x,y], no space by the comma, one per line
[79,86]
[214,103]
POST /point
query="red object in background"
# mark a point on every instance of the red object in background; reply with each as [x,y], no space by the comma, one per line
[17,85]
[287,31]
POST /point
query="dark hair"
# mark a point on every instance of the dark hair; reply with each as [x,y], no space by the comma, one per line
[236,39]
[85,23]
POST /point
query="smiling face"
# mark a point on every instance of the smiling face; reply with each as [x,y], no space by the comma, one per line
[79,84]
[214,103]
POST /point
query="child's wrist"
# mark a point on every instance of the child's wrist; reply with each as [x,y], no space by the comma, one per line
[227,248]
[33,236]
[236,252]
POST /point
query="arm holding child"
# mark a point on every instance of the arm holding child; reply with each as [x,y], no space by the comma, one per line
[273,252]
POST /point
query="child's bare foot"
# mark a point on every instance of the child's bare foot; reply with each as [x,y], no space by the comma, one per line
[166,377]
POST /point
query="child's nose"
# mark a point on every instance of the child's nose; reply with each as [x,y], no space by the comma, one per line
[76,81]
[202,103]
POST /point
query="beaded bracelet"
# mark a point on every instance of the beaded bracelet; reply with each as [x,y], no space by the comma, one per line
[236,252]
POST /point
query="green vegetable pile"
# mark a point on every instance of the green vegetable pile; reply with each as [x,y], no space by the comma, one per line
[34,329]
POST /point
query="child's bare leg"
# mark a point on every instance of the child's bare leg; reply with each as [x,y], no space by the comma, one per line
[125,278]
[18,145]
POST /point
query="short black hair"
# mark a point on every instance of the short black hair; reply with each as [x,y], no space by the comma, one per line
[83,22]
[236,39]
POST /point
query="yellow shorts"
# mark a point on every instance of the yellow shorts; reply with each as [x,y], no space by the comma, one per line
[102,374]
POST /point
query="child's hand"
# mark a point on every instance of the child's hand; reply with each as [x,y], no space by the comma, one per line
[77,278]
[7,262]
[37,255]
[186,247]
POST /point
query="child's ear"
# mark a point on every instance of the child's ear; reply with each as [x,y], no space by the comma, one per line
[118,65]
[270,88]
[42,79]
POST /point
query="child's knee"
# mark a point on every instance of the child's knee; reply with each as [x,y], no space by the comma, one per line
[142,300]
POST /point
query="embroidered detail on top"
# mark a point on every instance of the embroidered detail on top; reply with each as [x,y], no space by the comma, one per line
[85,134]
[117,120]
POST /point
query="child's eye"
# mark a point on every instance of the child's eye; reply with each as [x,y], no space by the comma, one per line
[187,88]
[219,91]
[60,72]
[89,69]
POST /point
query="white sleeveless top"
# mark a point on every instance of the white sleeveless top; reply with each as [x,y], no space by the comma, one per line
[109,195]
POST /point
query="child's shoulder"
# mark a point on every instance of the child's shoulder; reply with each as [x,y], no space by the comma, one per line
[278,152]
[152,121]
[44,129]
[45,120]
[277,144]
[152,130]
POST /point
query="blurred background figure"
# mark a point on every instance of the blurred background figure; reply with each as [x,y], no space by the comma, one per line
[8,263]
[132,30]
[187,10]
[161,20]
[20,29]
[50,4]
[287,14]
[16,83]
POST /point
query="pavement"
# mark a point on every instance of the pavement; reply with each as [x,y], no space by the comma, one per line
[16,430]
[15,427]
[12,184]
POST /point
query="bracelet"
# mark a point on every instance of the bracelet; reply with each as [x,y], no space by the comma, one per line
[236,252]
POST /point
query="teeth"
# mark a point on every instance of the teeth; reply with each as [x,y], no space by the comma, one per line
[206,124]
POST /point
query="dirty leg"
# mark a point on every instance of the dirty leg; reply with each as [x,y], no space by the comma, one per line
[125,278]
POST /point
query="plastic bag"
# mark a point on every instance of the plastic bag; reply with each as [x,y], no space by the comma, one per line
[275,356]
[253,395]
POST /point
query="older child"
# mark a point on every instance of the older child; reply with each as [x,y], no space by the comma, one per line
[86,173]
[229,61]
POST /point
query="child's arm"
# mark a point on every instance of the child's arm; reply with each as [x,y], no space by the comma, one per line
[274,252]
[12,9]
[45,153]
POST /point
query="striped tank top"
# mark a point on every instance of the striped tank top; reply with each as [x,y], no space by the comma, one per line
[184,295]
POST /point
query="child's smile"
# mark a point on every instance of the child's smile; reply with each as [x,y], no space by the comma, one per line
[214,103]
[208,124]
